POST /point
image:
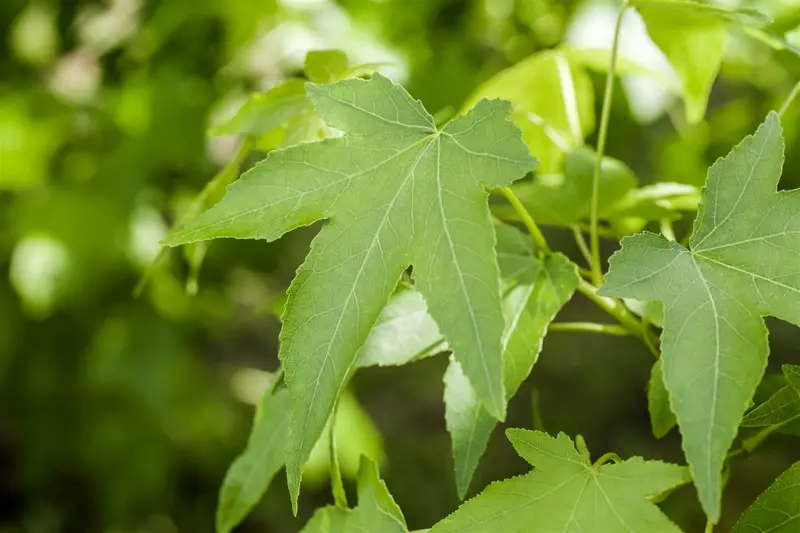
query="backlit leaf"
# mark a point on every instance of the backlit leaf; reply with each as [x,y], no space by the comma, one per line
[741,265]
[396,191]
[567,493]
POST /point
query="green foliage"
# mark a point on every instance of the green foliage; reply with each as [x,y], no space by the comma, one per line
[567,492]
[776,510]
[714,342]
[782,407]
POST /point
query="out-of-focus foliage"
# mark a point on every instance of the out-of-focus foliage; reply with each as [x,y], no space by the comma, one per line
[122,414]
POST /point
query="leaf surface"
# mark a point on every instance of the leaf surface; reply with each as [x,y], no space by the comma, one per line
[781,407]
[741,265]
[567,493]
[536,291]
[376,511]
[777,509]
[396,192]
[662,419]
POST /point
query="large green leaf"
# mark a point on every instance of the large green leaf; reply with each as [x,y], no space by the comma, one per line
[250,474]
[396,191]
[741,264]
[536,290]
[552,103]
[376,511]
[781,407]
[777,509]
[567,493]
[694,42]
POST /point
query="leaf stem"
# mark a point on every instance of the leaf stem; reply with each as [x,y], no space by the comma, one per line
[602,135]
[610,456]
[337,485]
[789,99]
[582,246]
[590,327]
[527,219]
[667,230]
[709,526]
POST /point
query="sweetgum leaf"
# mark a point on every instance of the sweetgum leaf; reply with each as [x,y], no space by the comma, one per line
[567,493]
[777,509]
[250,474]
[781,407]
[396,191]
[537,289]
[376,510]
[741,265]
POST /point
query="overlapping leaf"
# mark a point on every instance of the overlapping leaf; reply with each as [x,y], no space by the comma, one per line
[567,493]
[782,407]
[741,265]
[376,511]
[777,510]
[396,191]
[536,290]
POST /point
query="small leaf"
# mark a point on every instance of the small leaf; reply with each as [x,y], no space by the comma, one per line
[741,265]
[397,192]
[657,201]
[266,111]
[325,66]
[777,509]
[376,511]
[662,419]
[537,289]
[567,493]
[693,41]
[781,407]
[250,474]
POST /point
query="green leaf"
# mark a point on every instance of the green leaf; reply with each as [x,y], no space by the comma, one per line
[405,332]
[266,111]
[693,40]
[396,192]
[250,474]
[746,17]
[657,201]
[552,103]
[567,493]
[741,265]
[781,407]
[564,200]
[662,419]
[777,509]
[325,66]
[376,510]
[537,289]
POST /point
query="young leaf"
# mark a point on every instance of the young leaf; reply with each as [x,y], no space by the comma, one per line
[567,493]
[777,509]
[250,474]
[662,419]
[741,264]
[745,17]
[376,510]
[781,407]
[537,290]
[396,191]
[693,42]
[265,111]
[325,66]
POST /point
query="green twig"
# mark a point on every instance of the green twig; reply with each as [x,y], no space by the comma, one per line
[337,485]
[582,246]
[527,219]
[789,99]
[590,327]
[602,135]
[667,230]
[610,456]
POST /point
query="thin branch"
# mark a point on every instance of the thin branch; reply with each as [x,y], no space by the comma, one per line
[582,246]
[789,99]
[590,327]
[527,219]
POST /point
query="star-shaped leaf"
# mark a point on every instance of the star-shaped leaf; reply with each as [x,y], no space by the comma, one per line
[777,509]
[741,265]
[397,191]
[567,493]
[376,511]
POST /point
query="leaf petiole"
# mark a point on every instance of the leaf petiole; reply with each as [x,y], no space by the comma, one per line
[590,327]
[527,219]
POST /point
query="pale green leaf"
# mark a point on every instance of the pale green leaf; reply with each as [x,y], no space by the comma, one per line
[746,17]
[405,332]
[693,41]
[662,419]
[324,66]
[781,407]
[376,511]
[250,474]
[536,290]
[396,192]
[777,510]
[266,111]
[741,265]
[567,493]
[657,201]
[552,102]
[565,199]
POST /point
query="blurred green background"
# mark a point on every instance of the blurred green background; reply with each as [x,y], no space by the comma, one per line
[121,414]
